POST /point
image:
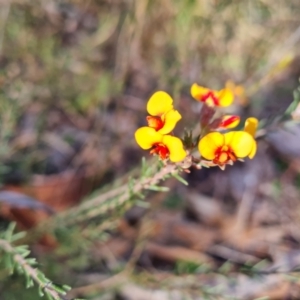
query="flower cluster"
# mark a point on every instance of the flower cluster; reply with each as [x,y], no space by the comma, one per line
[217,145]
[226,148]
[158,136]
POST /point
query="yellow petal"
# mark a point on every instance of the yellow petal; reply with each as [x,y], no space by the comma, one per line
[198,91]
[159,103]
[175,146]
[170,120]
[251,126]
[210,143]
[225,97]
[253,150]
[229,121]
[240,142]
[146,137]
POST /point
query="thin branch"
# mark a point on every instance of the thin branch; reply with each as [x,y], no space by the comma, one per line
[122,277]
[29,270]
[95,207]
[126,194]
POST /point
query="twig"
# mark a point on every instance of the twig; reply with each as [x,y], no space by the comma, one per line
[31,272]
[95,207]
[233,255]
[138,187]
[110,282]
[123,275]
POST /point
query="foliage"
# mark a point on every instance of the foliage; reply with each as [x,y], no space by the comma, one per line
[16,259]
[90,66]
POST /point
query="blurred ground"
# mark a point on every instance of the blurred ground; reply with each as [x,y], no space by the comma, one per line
[74,80]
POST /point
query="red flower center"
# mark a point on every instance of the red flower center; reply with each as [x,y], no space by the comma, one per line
[155,122]
[161,150]
[223,155]
[210,97]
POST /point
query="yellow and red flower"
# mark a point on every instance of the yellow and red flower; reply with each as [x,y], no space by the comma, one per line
[228,122]
[165,146]
[162,120]
[226,148]
[163,115]
[251,126]
[223,97]
[225,122]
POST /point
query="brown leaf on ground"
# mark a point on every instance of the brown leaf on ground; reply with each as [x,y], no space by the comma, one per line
[59,192]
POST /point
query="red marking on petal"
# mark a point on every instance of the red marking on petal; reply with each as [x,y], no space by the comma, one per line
[228,121]
[210,95]
[224,155]
[161,150]
[155,122]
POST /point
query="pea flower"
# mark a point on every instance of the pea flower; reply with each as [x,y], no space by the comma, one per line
[163,116]
[229,121]
[165,146]
[251,126]
[225,122]
[238,91]
[226,148]
[223,97]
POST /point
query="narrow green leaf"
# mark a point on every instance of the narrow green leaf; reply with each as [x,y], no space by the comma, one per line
[142,204]
[167,176]
[18,236]
[49,297]
[19,269]
[160,164]
[140,195]
[25,253]
[294,104]
[41,292]
[131,185]
[9,264]
[29,281]
[144,167]
[59,289]
[21,248]
[179,178]
[158,188]
[66,287]
[9,231]
[31,261]
[42,278]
